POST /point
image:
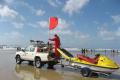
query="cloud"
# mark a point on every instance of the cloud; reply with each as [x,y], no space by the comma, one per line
[54,3]
[62,32]
[68,35]
[30,7]
[12,37]
[5,11]
[40,12]
[63,29]
[63,24]
[73,6]
[33,25]
[9,1]
[43,24]
[109,35]
[18,25]
[17,3]
[116,18]
[10,16]
[81,35]
[118,32]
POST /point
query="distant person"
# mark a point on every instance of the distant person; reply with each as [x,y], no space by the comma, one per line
[113,51]
[91,51]
[83,51]
[57,44]
[117,51]
[105,51]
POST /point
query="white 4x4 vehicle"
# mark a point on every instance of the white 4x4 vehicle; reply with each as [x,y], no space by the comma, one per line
[36,52]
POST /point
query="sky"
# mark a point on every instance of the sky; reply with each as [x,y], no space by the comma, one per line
[82,23]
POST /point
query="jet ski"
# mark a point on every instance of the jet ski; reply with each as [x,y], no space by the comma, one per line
[99,63]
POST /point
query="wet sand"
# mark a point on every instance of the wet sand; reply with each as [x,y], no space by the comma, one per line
[10,71]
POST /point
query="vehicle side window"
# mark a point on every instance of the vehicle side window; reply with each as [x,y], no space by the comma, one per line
[32,49]
[27,49]
[44,50]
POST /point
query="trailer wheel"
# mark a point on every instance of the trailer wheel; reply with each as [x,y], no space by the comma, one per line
[85,72]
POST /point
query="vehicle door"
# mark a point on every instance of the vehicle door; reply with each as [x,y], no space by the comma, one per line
[44,55]
[22,54]
[29,52]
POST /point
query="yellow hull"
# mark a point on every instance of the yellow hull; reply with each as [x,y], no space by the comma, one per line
[104,63]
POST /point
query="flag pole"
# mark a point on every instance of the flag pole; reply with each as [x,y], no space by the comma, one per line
[53,22]
[49,34]
[48,37]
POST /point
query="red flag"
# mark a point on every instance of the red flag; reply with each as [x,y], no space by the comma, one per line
[53,22]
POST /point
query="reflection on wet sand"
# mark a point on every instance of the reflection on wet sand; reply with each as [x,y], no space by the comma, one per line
[27,72]
[10,71]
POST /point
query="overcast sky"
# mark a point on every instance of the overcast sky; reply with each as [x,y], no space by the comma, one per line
[82,23]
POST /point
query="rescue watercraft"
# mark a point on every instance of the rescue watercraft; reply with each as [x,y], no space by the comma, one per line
[99,63]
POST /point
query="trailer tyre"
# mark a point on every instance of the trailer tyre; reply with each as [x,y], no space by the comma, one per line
[85,72]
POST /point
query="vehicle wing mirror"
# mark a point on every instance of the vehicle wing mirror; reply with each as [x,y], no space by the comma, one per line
[18,49]
[23,50]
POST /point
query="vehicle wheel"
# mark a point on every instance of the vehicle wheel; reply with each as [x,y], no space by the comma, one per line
[85,72]
[38,63]
[18,59]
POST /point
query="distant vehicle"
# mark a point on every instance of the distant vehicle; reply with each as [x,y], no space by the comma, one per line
[37,53]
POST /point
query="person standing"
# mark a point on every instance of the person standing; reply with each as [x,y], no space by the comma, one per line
[57,44]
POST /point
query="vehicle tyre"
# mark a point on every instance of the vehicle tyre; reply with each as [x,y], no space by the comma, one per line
[85,72]
[38,63]
[18,59]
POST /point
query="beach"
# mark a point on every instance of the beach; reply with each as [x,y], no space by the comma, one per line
[9,70]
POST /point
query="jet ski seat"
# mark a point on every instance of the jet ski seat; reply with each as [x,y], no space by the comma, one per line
[88,59]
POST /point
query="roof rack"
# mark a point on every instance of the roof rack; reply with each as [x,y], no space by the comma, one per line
[38,43]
